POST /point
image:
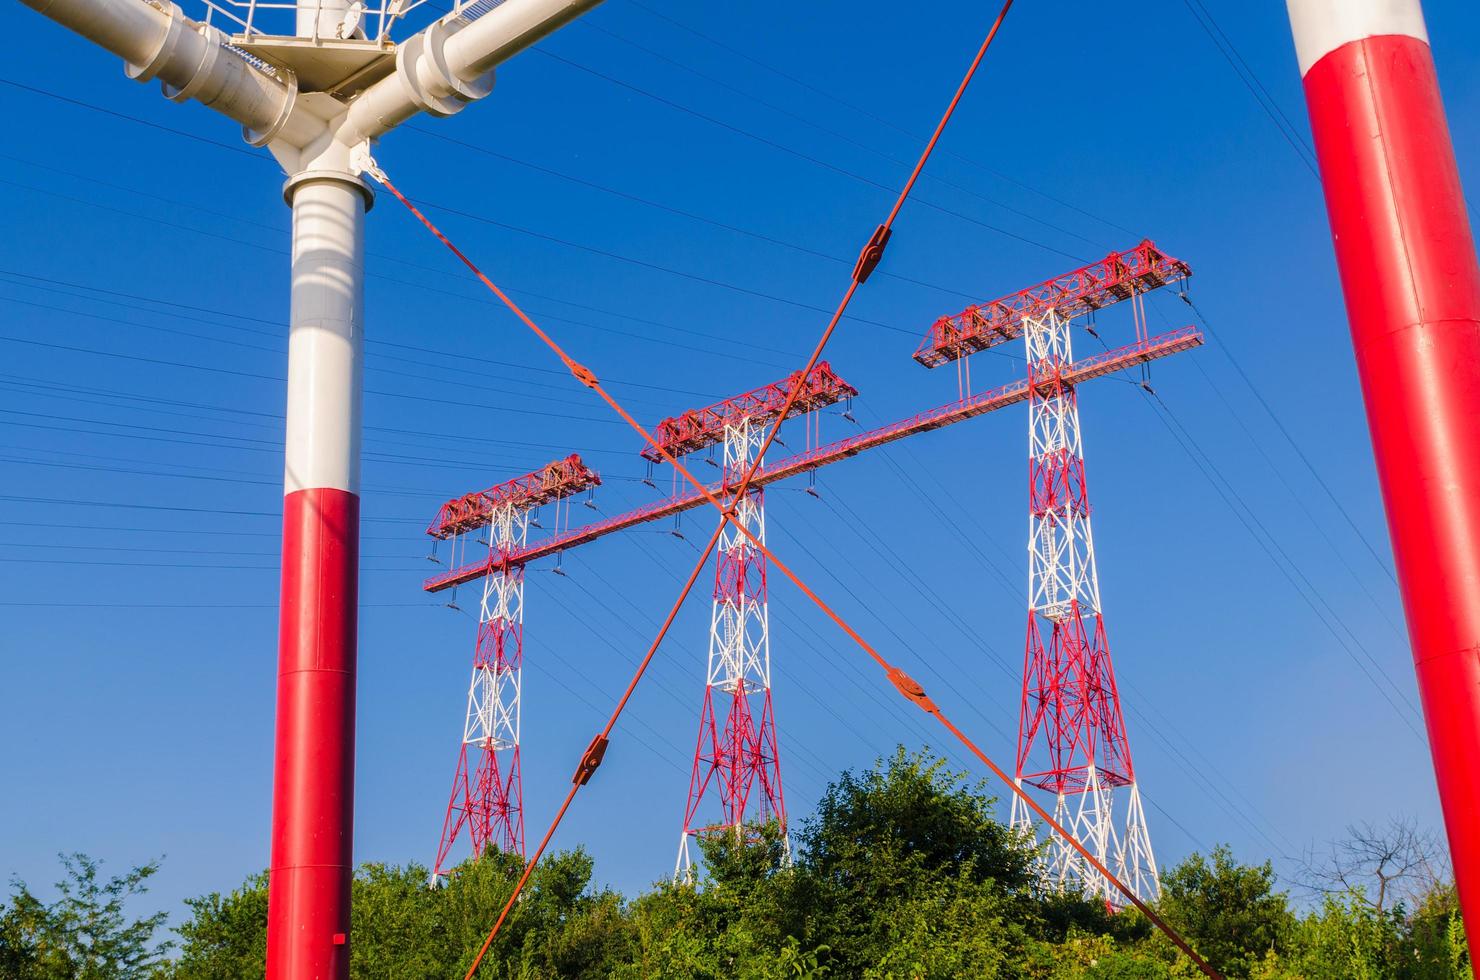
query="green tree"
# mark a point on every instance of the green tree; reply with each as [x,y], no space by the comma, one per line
[226,935]
[910,875]
[86,934]
[1229,912]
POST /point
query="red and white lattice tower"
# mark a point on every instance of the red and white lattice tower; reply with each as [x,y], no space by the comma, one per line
[735,783]
[487,790]
[737,763]
[1071,712]
[1071,737]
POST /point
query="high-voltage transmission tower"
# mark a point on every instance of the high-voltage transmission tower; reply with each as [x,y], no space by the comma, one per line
[719,770]
[318,84]
[1071,735]
[737,762]
[487,788]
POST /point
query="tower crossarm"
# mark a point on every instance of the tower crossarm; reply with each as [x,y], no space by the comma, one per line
[554,481]
[701,428]
[1118,276]
[1013,393]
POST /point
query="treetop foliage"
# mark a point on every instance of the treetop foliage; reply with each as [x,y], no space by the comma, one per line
[902,872]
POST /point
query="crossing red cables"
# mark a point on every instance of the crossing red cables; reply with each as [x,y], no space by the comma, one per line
[868,260]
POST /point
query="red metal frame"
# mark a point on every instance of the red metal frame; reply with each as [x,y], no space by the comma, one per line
[740,759]
[488,799]
[705,427]
[1012,393]
[557,480]
[1120,275]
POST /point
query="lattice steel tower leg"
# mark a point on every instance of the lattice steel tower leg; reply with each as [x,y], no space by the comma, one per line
[736,759]
[487,791]
[1070,707]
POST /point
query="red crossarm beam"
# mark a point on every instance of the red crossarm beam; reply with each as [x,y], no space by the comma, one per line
[1120,275]
[554,481]
[937,418]
[705,427]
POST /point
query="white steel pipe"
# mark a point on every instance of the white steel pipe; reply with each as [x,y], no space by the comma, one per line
[507,30]
[450,64]
[189,58]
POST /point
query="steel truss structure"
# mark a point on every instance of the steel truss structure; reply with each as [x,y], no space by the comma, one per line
[1118,276]
[1071,735]
[981,403]
[737,760]
[487,790]
[1070,703]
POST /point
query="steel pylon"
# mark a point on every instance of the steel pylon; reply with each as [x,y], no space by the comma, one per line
[1071,739]
[487,790]
[737,766]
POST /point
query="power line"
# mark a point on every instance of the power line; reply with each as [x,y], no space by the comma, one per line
[1271,547]
[868,113]
[1275,418]
[831,133]
[1251,82]
[792,151]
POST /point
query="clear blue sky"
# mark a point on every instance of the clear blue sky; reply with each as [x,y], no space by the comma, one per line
[138,649]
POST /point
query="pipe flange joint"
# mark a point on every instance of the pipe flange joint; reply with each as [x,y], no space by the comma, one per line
[204,72]
[430,84]
[255,137]
[291,185]
[167,46]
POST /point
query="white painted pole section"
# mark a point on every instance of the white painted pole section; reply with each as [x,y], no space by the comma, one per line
[326,342]
[1322,26]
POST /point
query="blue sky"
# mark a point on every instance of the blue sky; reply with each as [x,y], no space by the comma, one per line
[142,297]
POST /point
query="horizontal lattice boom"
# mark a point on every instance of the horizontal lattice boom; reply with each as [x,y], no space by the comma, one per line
[1120,275]
[562,478]
[705,427]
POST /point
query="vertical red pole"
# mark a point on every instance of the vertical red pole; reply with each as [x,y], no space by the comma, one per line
[314,761]
[1412,287]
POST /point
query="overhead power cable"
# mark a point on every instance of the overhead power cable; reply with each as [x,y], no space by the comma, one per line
[871,115]
[800,155]
[1271,547]
[1285,433]
[373,342]
[1251,81]
[833,134]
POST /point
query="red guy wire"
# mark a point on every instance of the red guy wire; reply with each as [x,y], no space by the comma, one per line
[868,260]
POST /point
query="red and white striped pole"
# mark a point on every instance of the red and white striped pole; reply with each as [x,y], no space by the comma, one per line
[1412,287]
[314,762]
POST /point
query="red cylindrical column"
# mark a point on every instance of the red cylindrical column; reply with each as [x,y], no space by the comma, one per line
[313,779]
[1412,287]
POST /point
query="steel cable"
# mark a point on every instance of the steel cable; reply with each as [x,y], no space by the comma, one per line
[868,259]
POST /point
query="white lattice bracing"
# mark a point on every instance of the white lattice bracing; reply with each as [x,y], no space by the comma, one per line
[487,790]
[493,694]
[737,758]
[1072,740]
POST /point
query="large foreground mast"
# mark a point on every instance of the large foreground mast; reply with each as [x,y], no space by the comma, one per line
[1407,257]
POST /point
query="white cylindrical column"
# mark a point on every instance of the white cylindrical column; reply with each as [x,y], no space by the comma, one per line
[313,778]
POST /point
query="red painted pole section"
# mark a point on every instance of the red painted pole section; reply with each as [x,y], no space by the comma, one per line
[313,784]
[308,904]
[1412,287]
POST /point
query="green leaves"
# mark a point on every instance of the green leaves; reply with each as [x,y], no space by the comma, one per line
[85,934]
[903,873]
